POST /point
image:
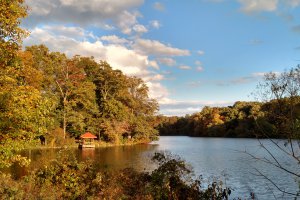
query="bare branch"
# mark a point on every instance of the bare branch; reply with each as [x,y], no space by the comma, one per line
[263,146]
[267,161]
[273,183]
[60,89]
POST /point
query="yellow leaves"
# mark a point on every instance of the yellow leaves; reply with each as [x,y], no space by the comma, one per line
[215,119]
[11,12]
[22,105]
[11,35]
[25,96]
[21,73]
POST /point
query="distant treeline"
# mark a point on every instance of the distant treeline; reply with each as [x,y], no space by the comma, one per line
[243,119]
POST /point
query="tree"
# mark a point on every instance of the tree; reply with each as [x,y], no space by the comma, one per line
[124,105]
[281,94]
[19,99]
[11,35]
[68,77]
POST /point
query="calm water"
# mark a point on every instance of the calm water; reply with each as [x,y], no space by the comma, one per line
[213,158]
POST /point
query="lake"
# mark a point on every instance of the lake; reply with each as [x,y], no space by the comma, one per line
[213,158]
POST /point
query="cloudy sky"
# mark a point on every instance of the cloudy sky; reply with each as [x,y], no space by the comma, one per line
[190,53]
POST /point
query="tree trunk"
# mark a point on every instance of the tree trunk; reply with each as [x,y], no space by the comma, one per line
[65,118]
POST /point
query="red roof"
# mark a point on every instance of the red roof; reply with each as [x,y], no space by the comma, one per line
[88,135]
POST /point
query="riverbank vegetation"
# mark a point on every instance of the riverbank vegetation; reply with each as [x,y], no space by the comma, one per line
[65,178]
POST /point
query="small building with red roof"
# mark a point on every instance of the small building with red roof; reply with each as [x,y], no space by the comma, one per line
[87,140]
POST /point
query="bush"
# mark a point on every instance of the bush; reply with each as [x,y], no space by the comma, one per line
[66,178]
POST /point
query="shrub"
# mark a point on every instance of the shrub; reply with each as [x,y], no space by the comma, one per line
[66,178]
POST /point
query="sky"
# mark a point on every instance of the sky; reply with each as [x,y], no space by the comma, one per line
[190,53]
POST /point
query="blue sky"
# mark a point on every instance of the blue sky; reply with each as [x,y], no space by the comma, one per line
[190,53]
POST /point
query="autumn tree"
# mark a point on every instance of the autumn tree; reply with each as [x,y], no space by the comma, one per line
[11,35]
[280,92]
[21,104]
[124,105]
[80,105]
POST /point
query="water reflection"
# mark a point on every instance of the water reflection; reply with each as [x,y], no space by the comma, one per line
[87,153]
[110,158]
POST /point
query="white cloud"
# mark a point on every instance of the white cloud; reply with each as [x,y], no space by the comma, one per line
[254,77]
[153,64]
[129,61]
[140,29]
[102,8]
[154,47]
[199,69]
[293,3]
[155,24]
[184,67]
[262,74]
[101,13]
[41,8]
[158,6]
[167,72]
[114,39]
[171,107]
[250,6]
[195,83]
[197,62]
[126,21]
[156,77]
[199,66]
[167,61]
[120,57]
[157,91]
[200,52]
[70,32]
[258,74]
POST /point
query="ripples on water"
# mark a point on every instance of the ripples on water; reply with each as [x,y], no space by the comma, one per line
[213,158]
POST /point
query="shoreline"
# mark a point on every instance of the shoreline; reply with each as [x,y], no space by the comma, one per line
[97,145]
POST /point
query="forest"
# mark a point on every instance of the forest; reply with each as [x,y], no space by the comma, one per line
[57,97]
[272,119]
